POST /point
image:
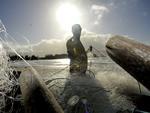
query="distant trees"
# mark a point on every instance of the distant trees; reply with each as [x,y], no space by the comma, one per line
[14,57]
[33,57]
[27,57]
[57,56]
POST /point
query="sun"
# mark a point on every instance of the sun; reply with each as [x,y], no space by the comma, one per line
[68,14]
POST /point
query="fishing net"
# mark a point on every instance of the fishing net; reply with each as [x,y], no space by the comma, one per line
[9,86]
[10,94]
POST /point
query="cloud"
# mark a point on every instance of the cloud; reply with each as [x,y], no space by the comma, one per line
[57,46]
[98,11]
[51,46]
[96,40]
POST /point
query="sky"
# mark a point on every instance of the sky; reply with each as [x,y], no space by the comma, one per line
[36,20]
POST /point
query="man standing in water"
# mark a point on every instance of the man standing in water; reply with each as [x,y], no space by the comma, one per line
[76,52]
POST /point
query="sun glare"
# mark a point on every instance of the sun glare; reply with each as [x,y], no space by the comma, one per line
[67,15]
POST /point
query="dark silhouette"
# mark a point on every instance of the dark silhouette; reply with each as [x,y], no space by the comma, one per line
[76,51]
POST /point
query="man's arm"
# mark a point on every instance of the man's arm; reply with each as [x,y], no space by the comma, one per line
[68,49]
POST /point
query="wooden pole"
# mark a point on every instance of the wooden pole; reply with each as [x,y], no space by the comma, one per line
[37,97]
[132,56]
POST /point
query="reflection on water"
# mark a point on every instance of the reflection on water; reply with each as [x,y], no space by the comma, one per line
[42,63]
[64,61]
[58,62]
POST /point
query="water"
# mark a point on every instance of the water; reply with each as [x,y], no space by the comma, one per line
[108,92]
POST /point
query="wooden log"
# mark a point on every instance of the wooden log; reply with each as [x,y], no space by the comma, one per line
[37,97]
[132,56]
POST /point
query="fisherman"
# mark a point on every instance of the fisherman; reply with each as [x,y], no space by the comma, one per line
[76,52]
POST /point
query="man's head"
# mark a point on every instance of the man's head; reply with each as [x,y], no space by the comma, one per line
[76,30]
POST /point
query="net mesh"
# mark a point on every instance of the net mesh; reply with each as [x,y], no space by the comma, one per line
[8,82]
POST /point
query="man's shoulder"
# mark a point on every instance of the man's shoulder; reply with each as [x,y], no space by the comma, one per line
[69,40]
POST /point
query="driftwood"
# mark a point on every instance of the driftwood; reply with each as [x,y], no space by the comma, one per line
[37,97]
[132,56]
